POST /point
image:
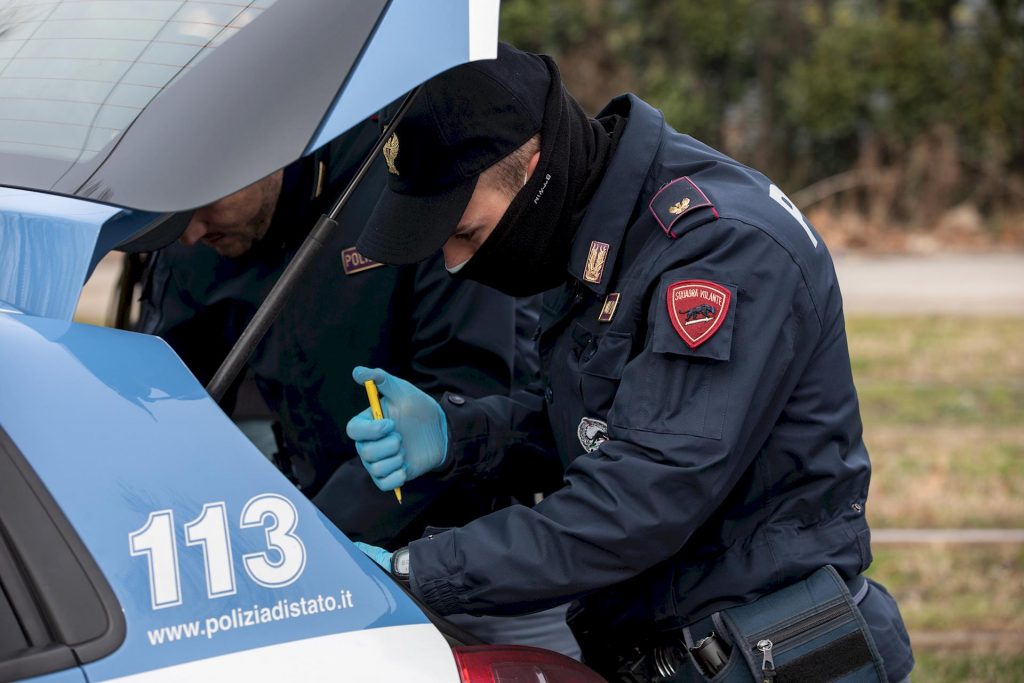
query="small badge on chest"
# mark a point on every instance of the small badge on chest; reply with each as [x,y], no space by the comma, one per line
[353,262]
[611,302]
[592,433]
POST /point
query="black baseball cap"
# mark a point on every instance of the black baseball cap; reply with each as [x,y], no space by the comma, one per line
[462,123]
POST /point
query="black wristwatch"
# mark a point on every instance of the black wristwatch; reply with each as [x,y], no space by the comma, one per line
[400,564]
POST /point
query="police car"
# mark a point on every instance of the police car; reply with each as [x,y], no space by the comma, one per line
[142,536]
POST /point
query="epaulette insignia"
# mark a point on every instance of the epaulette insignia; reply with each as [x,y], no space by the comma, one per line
[676,199]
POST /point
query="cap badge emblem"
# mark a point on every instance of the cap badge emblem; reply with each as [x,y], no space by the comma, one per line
[594,269]
[391,153]
[679,207]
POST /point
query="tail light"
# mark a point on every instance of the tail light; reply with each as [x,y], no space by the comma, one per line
[519,664]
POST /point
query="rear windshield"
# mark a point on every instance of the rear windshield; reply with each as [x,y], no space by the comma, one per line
[74,74]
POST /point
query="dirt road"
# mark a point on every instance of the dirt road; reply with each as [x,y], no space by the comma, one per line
[951,284]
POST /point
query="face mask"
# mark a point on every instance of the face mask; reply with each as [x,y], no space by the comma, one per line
[528,251]
[454,269]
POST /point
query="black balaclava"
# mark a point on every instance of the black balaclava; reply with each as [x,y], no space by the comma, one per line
[528,251]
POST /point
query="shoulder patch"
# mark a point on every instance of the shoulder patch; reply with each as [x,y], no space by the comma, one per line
[675,200]
[697,308]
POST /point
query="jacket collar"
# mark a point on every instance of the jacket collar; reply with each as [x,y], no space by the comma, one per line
[599,237]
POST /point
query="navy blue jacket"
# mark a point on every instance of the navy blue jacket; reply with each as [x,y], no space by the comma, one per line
[416,322]
[698,389]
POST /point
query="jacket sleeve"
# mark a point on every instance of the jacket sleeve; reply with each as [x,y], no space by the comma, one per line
[684,425]
[474,350]
[484,434]
[463,335]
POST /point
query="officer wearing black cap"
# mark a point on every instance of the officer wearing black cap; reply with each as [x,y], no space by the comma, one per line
[697,386]
[413,320]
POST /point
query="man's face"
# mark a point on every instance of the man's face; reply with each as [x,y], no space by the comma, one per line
[485,209]
[233,224]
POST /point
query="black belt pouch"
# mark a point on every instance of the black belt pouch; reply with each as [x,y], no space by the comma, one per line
[809,631]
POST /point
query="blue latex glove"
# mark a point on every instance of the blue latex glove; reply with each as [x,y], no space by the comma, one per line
[411,440]
[378,555]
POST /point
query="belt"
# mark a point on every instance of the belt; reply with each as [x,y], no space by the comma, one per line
[692,633]
[858,587]
[662,661]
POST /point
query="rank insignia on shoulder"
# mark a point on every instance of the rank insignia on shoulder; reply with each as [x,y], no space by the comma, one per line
[697,308]
[680,207]
[611,302]
[353,262]
[592,433]
[675,200]
[596,259]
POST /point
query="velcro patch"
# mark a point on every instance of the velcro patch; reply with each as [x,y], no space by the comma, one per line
[697,308]
[353,262]
[676,199]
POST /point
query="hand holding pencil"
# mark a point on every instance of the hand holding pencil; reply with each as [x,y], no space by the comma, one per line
[403,436]
[378,414]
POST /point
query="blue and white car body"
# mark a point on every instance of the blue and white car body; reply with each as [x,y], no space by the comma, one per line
[213,565]
[221,567]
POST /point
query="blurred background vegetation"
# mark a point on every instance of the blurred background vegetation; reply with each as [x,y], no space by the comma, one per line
[906,114]
[895,125]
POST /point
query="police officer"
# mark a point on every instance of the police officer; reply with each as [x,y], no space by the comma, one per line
[697,381]
[413,320]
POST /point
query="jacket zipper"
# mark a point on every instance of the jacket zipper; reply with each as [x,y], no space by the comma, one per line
[764,646]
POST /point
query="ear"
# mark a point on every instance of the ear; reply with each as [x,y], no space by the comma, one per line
[532,166]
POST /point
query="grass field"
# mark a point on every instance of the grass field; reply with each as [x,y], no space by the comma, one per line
[935,667]
[943,401]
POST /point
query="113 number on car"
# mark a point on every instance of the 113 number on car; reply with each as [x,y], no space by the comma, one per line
[279,565]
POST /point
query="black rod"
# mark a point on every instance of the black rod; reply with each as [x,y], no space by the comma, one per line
[271,307]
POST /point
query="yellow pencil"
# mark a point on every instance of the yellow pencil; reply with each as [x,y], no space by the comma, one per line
[378,414]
